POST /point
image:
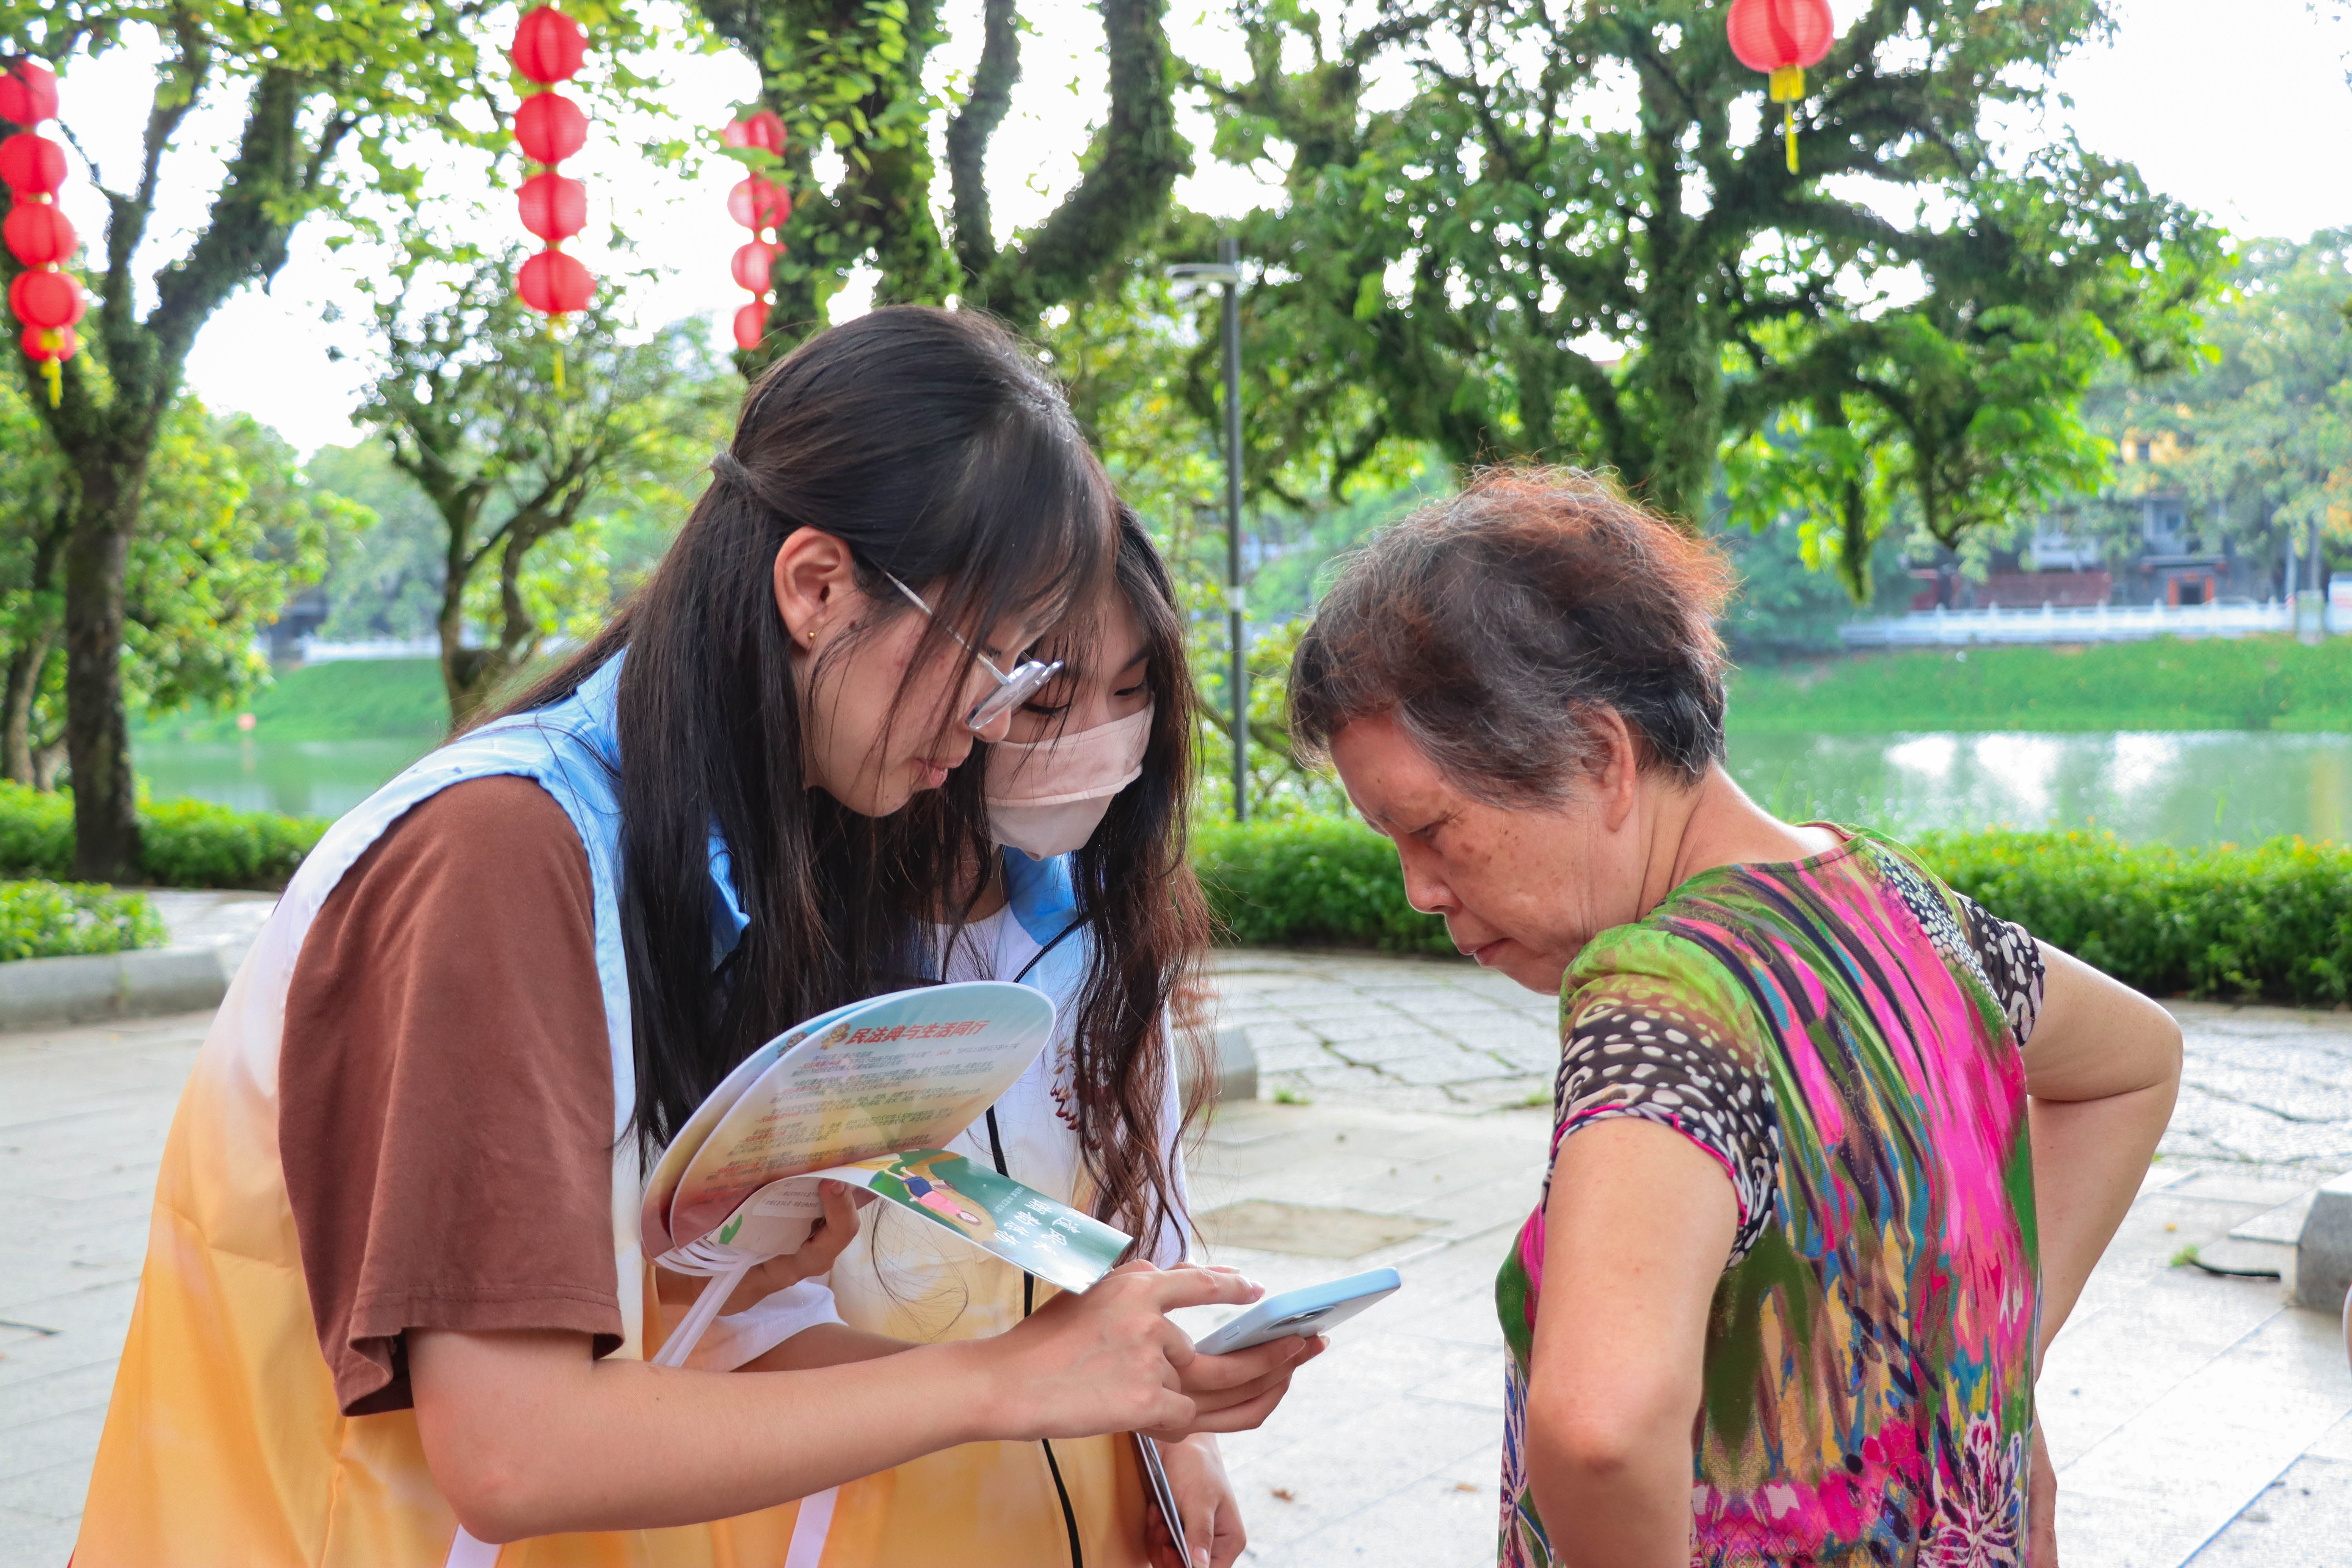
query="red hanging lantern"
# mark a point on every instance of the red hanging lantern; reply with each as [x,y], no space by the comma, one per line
[550,128]
[549,47]
[556,284]
[1782,37]
[29,93]
[763,132]
[758,203]
[49,343]
[45,297]
[750,325]
[554,206]
[31,166]
[37,235]
[753,264]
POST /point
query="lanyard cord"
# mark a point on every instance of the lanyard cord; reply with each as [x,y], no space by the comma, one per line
[1029,1289]
[1028,1305]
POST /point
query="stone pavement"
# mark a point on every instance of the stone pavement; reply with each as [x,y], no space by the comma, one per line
[2266,1088]
[2194,1418]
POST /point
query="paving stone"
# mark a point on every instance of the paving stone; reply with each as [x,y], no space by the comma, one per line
[2189,1415]
[2299,1517]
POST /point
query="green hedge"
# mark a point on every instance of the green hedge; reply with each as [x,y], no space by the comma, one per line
[58,919]
[2265,921]
[2270,920]
[1310,882]
[185,843]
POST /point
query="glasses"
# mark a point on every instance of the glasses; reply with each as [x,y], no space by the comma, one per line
[1028,677]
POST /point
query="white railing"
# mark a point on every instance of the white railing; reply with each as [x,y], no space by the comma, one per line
[2096,623]
[316,652]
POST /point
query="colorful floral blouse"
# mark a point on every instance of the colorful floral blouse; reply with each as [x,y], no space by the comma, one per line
[1843,1035]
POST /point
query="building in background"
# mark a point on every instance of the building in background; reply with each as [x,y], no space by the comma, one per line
[2142,543]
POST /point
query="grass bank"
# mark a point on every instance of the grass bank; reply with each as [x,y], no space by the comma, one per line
[2166,683]
[344,700]
[2270,920]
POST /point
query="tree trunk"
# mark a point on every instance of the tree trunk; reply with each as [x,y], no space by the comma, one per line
[25,666]
[461,667]
[98,734]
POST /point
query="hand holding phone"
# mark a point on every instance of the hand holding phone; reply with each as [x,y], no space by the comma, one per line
[1304,1312]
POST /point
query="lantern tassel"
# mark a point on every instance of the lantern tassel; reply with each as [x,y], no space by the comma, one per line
[1787,87]
[559,355]
[54,375]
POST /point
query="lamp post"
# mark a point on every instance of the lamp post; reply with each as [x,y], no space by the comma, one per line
[1226,270]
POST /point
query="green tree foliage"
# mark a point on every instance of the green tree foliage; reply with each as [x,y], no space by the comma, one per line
[325,97]
[464,399]
[234,529]
[2267,426]
[1567,232]
[849,78]
[390,584]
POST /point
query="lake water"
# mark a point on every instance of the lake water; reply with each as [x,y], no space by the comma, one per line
[302,778]
[2177,788]
[2181,788]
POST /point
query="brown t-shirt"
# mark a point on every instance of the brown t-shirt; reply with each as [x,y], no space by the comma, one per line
[445,1111]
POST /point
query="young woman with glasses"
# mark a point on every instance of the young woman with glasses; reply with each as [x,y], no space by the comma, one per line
[394,1285]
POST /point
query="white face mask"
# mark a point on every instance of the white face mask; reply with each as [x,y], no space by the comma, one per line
[1045,798]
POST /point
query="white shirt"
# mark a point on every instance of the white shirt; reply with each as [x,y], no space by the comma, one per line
[1041,1149]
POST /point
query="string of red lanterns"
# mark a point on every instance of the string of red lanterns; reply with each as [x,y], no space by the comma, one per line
[1782,37]
[45,296]
[549,127]
[758,203]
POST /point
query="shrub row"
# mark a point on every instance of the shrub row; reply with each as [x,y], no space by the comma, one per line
[1310,882]
[59,919]
[2270,921]
[2267,920]
[184,843]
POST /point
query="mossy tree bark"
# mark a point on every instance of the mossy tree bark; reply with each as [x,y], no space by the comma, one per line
[464,403]
[848,74]
[1519,262]
[317,81]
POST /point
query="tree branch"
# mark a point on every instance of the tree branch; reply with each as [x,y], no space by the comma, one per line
[984,109]
[1137,159]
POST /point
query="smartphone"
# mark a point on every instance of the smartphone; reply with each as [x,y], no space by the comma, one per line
[1163,1494]
[1305,1311]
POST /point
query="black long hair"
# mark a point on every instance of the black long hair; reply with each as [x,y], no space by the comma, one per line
[1147,924]
[939,453]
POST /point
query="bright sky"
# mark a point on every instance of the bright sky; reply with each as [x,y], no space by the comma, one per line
[2233,109]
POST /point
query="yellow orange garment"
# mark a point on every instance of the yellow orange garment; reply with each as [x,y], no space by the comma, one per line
[225,1443]
[983,1505]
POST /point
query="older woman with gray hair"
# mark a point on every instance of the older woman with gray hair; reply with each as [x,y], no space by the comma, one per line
[1834,1147]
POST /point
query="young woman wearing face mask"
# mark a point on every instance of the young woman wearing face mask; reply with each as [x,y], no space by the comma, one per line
[1092,900]
[393,1284]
